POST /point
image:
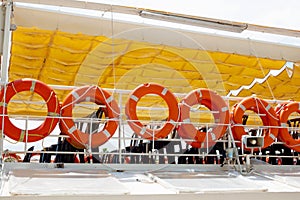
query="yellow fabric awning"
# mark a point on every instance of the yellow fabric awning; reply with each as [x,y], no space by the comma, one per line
[60,58]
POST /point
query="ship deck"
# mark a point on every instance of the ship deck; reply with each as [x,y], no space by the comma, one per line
[143,181]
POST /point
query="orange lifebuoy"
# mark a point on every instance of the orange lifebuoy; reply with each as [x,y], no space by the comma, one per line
[278,108]
[284,134]
[137,126]
[11,157]
[259,106]
[46,93]
[214,103]
[89,94]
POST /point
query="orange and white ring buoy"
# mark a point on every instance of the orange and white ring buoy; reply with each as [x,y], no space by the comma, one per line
[284,134]
[46,93]
[137,126]
[11,157]
[214,103]
[278,108]
[259,106]
[89,94]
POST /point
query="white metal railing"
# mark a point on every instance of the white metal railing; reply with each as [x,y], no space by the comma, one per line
[123,139]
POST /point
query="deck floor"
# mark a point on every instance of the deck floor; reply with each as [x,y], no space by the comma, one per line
[42,181]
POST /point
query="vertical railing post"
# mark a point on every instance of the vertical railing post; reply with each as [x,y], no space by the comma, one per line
[5,17]
[120,131]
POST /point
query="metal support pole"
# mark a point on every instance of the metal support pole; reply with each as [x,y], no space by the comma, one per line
[7,7]
[90,140]
[5,47]
[235,151]
[120,130]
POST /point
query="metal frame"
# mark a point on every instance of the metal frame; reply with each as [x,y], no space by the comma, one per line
[5,46]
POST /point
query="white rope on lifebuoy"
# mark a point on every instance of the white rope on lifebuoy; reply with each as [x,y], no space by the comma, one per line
[46,93]
[99,96]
